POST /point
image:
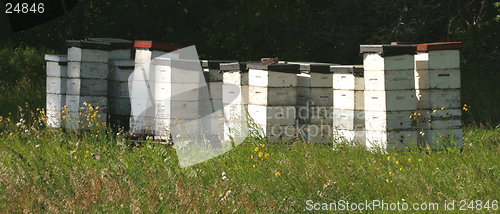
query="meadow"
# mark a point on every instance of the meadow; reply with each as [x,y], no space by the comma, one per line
[100,171]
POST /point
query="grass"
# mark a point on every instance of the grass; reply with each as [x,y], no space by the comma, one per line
[98,170]
[54,170]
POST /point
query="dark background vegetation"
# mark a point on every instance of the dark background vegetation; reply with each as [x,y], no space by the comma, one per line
[299,30]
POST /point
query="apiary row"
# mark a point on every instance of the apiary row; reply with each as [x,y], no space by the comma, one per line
[402,94]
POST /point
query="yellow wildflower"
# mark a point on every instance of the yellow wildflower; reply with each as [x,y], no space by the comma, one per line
[256,149]
[277,174]
[266,156]
[260,154]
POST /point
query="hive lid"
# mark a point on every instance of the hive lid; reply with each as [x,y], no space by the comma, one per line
[356,70]
[88,44]
[152,45]
[318,67]
[56,58]
[214,64]
[233,67]
[439,46]
[115,43]
[278,67]
[388,50]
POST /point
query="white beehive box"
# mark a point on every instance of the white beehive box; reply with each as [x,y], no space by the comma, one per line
[348,77]
[235,113]
[56,65]
[268,96]
[399,140]
[234,94]
[54,106]
[235,78]
[348,99]
[146,55]
[272,115]
[92,70]
[56,85]
[212,69]
[448,98]
[176,91]
[437,79]
[76,54]
[87,87]
[392,120]
[177,109]
[389,79]
[265,78]
[176,71]
[348,119]
[438,59]
[400,100]
[375,62]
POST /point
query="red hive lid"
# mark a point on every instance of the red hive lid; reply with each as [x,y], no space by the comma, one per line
[439,46]
[156,45]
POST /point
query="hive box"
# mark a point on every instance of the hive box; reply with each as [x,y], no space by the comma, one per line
[273,75]
[56,65]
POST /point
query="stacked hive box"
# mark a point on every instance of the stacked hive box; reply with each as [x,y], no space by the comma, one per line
[86,83]
[234,100]
[437,82]
[177,88]
[118,91]
[211,105]
[321,104]
[272,96]
[141,92]
[303,100]
[315,101]
[389,95]
[120,69]
[56,88]
[348,93]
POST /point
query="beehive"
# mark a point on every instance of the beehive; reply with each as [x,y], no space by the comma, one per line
[234,99]
[87,82]
[119,84]
[437,81]
[272,93]
[56,88]
[142,96]
[389,96]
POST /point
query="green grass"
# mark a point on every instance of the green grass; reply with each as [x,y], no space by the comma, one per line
[51,170]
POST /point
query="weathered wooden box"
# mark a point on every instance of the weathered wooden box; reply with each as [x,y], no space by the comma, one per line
[348,119]
[268,96]
[437,79]
[56,85]
[121,70]
[119,106]
[56,65]
[349,99]
[76,54]
[321,115]
[388,57]
[321,96]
